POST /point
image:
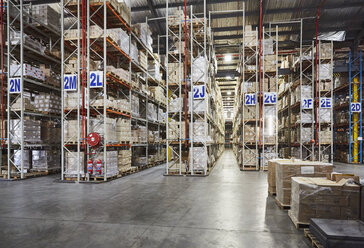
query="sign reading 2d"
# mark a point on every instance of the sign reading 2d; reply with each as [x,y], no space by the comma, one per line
[14,85]
[199,92]
[70,82]
[325,102]
[270,97]
[96,79]
[249,99]
[355,107]
[307,103]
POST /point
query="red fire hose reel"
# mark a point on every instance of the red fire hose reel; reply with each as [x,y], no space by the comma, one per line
[93,139]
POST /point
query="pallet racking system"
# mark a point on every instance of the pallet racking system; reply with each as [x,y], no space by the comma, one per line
[26,34]
[195,136]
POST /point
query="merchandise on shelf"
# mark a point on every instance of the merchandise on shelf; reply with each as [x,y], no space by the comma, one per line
[174,130]
[70,131]
[142,30]
[123,130]
[31,134]
[139,134]
[175,104]
[46,15]
[199,69]
[46,159]
[72,162]
[135,105]
[25,157]
[152,112]
[49,103]
[199,159]
[109,134]
[111,163]
[28,71]
[124,160]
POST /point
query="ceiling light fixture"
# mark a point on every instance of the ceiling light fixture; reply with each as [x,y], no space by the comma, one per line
[229,93]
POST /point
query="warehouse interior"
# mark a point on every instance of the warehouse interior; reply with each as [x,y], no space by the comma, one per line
[182,123]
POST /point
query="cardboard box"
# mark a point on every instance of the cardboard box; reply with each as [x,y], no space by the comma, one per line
[295,168]
[323,198]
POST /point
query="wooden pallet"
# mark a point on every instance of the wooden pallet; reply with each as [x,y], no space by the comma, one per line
[315,243]
[48,171]
[281,205]
[26,175]
[297,224]
[249,168]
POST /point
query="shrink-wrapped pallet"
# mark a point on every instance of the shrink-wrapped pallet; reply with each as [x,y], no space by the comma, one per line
[46,159]
[25,157]
[323,198]
[199,158]
[286,170]
[72,161]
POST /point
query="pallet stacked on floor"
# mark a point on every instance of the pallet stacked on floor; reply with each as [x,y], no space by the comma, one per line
[347,105]
[195,126]
[33,91]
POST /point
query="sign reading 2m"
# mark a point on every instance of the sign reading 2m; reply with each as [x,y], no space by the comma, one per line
[270,97]
[249,99]
[96,79]
[199,92]
[14,85]
[70,82]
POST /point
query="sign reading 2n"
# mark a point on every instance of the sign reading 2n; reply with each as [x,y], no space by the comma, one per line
[325,102]
[270,97]
[355,107]
[15,85]
[307,103]
[96,79]
[199,92]
[70,82]
[249,99]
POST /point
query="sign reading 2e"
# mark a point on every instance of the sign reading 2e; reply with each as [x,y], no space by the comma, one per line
[249,99]
[307,103]
[96,79]
[325,102]
[14,85]
[355,107]
[70,82]
[270,97]
[199,92]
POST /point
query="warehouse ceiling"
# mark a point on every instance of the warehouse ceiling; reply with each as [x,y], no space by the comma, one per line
[347,15]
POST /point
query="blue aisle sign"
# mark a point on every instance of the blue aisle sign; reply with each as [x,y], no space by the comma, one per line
[15,85]
[270,97]
[199,92]
[96,79]
[249,99]
[307,103]
[70,82]
[325,102]
[355,107]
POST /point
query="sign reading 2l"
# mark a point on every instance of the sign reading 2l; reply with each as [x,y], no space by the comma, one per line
[96,79]
[199,92]
[355,107]
[270,97]
[249,99]
[14,85]
[325,102]
[70,82]
[307,103]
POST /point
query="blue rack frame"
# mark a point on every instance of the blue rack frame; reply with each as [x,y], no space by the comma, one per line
[355,69]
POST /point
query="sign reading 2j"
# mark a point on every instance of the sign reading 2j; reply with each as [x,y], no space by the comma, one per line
[307,103]
[96,79]
[199,92]
[270,97]
[249,99]
[70,82]
[14,85]
[325,102]
[355,107]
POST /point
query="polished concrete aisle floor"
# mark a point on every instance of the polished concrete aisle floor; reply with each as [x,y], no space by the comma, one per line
[229,208]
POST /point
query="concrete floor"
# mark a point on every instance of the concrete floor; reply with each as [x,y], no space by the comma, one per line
[229,208]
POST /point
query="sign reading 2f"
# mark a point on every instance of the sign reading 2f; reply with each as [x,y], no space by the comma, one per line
[325,102]
[96,79]
[355,107]
[70,82]
[249,99]
[199,92]
[307,103]
[14,85]
[270,97]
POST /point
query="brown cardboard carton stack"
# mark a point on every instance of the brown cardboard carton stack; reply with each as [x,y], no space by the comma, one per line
[295,168]
[323,198]
[272,174]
